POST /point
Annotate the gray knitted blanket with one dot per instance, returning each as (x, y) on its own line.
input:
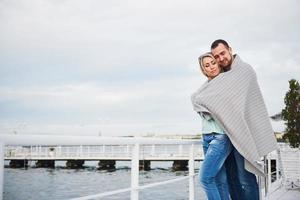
(234, 100)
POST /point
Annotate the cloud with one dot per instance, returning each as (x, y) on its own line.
(135, 109)
(133, 63)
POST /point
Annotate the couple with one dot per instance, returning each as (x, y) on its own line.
(236, 129)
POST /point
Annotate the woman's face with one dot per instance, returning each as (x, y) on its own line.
(210, 67)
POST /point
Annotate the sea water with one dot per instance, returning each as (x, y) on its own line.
(61, 183)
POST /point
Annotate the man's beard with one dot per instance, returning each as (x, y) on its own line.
(228, 66)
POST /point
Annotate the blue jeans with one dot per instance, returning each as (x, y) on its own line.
(212, 173)
(242, 184)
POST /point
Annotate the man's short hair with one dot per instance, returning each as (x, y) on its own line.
(217, 42)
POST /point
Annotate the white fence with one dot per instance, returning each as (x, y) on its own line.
(102, 152)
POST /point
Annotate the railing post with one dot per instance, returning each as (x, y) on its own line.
(80, 150)
(68, 151)
(103, 149)
(46, 152)
(88, 151)
(166, 150)
(40, 151)
(135, 172)
(180, 150)
(153, 150)
(269, 170)
(59, 151)
(1, 168)
(127, 150)
(266, 178)
(191, 174)
(277, 168)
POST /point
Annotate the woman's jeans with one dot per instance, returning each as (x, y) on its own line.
(243, 184)
(213, 172)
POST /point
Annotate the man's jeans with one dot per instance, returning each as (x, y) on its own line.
(212, 172)
(242, 184)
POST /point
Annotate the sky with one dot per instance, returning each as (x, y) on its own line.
(129, 67)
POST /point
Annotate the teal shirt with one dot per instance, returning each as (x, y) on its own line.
(209, 125)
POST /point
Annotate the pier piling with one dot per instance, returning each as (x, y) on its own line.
(75, 164)
(18, 163)
(45, 164)
(107, 164)
(180, 165)
(145, 165)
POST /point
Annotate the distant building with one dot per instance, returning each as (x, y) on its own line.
(279, 135)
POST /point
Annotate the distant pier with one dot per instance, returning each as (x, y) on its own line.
(106, 155)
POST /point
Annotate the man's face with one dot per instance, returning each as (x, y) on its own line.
(223, 55)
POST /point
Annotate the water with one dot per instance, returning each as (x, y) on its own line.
(61, 183)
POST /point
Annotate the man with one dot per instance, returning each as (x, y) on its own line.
(222, 53)
(242, 183)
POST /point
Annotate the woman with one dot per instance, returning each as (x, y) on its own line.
(216, 144)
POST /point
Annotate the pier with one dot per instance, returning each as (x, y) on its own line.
(106, 155)
(136, 154)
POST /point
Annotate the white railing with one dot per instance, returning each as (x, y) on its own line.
(271, 184)
(101, 152)
(47, 140)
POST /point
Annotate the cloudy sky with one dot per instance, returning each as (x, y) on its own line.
(117, 67)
